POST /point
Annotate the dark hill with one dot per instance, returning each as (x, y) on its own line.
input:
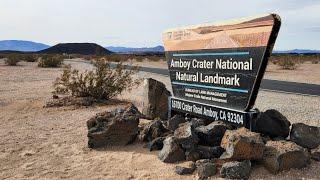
(77, 48)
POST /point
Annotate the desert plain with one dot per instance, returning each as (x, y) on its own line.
(51, 143)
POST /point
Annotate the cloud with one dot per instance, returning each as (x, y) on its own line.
(313, 29)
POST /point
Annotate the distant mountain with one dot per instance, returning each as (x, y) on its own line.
(77, 48)
(297, 51)
(120, 49)
(19, 45)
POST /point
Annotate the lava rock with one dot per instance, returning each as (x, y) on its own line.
(155, 99)
(273, 124)
(315, 154)
(173, 122)
(196, 122)
(207, 152)
(171, 151)
(205, 169)
(236, 170)
(241, 144)
(185, 170)
(305, 136)
(152, 131)
(118, 127)
(284, 155)
(192, 155)
(211, 134)
(186, 136)
(156, 144)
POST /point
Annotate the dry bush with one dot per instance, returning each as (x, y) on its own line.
(50, 61)
(102, 83)
(29, 57)
(12, 59)
(287, 63)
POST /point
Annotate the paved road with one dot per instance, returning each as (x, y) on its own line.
(267, 84)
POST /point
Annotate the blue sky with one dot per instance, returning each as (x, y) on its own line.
(140, 23)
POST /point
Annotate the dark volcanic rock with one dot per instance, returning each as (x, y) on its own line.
(185, 170)
(173, 122)
(284, 155)
(171, 151)
(207, 152)
(118, 127)
(305, 136)
(211, 134)
(236, 170)
(315, 154)
(196, 122)
(155, 99)
(241, 144)
(205, 169)
(186, 136)
(156, 144)
(192, 155)
(273, 124)
(152, 131)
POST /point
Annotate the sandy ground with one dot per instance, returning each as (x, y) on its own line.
(39, 143)
(305, 73)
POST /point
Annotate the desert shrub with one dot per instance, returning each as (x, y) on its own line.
(287, 63)
(29, 58)
(12, 59)
(50, 61)
(315, 62)
(102, 83)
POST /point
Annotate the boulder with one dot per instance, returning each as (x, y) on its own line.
(192, 155)
(152, 131)
(196, 122)
(273, 124)
(207, 152)
(156, 144)
(171, 151)
(155, 99)
(186, 136)
(305, 136)
(118, 127)
(315, 154)
(211, 134)
(173, 122)
(236, 170)
(241, 144)
(181, 170)
(205, 169)
(284, 155)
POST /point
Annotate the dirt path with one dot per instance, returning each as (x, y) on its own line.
(39, 143)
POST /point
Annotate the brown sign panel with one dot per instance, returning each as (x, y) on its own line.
(221, 64)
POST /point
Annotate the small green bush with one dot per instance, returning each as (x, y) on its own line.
(50, 61)
(287, 63)
(102, 83)
(12, 59)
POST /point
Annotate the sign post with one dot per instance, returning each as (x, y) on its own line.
(216, 69)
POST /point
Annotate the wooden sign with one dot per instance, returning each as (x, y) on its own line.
(220, 64)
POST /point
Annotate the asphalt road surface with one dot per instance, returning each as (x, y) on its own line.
(266, 84)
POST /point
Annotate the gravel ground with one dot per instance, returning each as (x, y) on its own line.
(39, 143)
